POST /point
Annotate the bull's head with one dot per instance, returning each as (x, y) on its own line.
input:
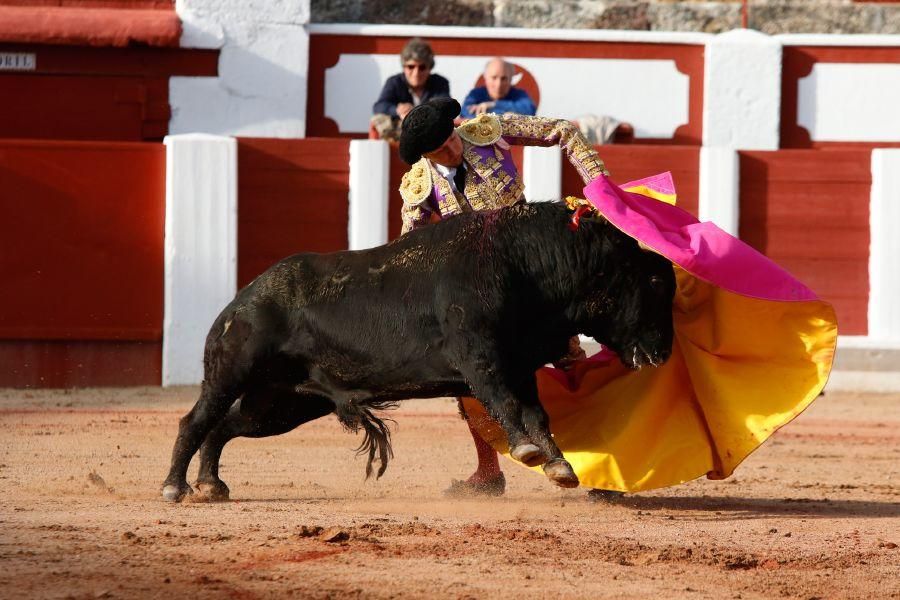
(628, 307)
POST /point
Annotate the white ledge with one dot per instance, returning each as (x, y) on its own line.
(838, 39)
(587, 35)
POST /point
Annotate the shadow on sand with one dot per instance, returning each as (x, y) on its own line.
(752, 508)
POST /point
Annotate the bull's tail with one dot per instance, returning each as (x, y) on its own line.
(377, 439)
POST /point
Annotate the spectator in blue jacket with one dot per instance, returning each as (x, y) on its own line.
(403, 91)
(497, 95)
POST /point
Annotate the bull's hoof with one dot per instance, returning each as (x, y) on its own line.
(176, 493)
(560, 472)
(528, 454)
(215, 491)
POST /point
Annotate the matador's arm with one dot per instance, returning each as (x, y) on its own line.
(521, 130)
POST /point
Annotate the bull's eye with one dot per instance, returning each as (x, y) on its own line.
(657, 283)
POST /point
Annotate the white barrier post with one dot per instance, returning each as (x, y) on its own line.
(200, 247)
(369, 182)
(542, 173)
(741, 111)
(742, 91)
(884, 275)
(720, 188)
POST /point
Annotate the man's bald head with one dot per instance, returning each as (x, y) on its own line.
(498, 77)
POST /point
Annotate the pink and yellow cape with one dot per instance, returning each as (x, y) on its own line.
(753, 348)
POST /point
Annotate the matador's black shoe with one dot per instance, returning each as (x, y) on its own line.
(465, 489)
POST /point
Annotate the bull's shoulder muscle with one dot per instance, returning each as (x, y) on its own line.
(416, 184)
(483, 130)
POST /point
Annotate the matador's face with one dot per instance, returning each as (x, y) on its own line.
(448, 154)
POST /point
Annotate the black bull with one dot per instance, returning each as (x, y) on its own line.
(473, 305)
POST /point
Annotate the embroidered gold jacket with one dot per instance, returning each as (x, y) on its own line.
(492, 180)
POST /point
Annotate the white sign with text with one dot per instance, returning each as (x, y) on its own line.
(18, 61)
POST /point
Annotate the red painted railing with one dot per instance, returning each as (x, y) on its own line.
(82, 263)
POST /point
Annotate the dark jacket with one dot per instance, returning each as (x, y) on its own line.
(396, 90)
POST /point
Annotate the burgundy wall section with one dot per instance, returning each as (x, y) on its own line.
(809, 211)
(79, 93)
(82, 265)
(293, 196)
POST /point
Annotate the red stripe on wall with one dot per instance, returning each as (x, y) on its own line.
(808, 210)
(293, 196)
(49, 364)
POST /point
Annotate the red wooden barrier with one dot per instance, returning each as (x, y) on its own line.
(809, 211)
(293, 196)
(630, 162)
(82, 263)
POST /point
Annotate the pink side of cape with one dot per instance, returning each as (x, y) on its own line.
(701, 249)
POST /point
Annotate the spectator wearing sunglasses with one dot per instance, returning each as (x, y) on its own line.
(403, 91)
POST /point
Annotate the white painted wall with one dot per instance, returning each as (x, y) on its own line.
(516, 33)
(840, 102)
(200, 248)
(652, 95)
(719, 200)
(542, 173)
(263, 63)
(742, 91)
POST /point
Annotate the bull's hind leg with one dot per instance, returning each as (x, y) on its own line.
(257, 414)
(192, 429)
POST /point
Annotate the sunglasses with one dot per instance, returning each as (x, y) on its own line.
(417, 67)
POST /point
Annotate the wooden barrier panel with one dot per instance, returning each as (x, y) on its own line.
(82, 263)
(631, 162)
(293, 196)
(809, 211)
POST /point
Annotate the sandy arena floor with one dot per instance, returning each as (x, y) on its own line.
(815, 513)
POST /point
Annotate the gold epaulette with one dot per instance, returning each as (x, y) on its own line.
(416, 183)
(480, 131)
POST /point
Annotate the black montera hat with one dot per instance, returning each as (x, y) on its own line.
(427, 127)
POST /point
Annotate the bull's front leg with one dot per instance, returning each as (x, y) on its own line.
(513, 403)
(508, 395)
(501, 403)
(537, 425)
